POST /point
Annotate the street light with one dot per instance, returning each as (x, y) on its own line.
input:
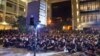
(35, 26)
(36, 36)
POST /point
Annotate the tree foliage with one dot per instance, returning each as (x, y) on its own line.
(21, 23)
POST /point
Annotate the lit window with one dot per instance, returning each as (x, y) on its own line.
(77, 13)
(85, 8)
(78, 20)
(82, 19)
(76, 1)
(77, 6)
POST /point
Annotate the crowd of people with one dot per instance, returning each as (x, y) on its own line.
(71, 41)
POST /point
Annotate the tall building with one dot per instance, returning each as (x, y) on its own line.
(38, 10)
(42, 11)
(9, 9)
(85, 12)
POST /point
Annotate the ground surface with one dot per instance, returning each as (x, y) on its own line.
(23, 52)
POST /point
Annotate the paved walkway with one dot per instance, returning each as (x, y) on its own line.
(23, 52)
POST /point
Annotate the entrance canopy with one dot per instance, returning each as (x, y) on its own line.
(92, 24)
(5, 26)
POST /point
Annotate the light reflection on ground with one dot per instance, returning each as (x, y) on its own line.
(22, 52)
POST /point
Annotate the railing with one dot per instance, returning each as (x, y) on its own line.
(1, 7)
(22, 3)
(15, 1)
(10, 10)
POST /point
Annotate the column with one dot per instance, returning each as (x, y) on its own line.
(4, 12)
(25, 9)
(17, 11)
(78, 16)
(75, 14)
(49, 11)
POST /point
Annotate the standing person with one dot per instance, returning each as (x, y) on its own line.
(6, 42)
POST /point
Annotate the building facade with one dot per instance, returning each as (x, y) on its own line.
(85, 11)
(9, 9)
(37, 9)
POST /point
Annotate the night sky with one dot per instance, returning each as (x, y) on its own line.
(63, 10)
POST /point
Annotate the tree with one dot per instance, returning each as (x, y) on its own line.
(21, 23)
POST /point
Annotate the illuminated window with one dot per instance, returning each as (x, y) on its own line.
(89, 6)
(85, 8)
(78, 20)
(93, 6)
(77, 5)
(43, 12)
(82, 19)
(76, 1)
(77, 13)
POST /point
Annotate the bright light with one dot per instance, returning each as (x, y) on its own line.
(78, 20)
(49, 21)
(48, 54)
(28, 54)
(77, 5)
(43, 20)
(67, 27)
(77, 13)
(24, 1)
(4, 23)
(38, 26)
(24, 10)
(64, 27)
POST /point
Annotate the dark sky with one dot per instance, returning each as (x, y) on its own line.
(62, 9)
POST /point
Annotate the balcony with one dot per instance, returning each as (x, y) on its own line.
(22, 3)
(21, 13)
(90, 11)
(86, 1)
(10, 10)
(15, 1)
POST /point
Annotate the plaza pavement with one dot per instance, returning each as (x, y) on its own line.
(23, 52)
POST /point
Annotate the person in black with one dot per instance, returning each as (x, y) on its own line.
(70, 47)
